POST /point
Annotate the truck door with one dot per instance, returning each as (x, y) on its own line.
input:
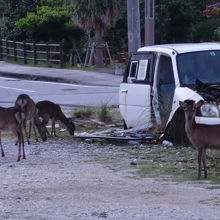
(135, 91)
(163, 89)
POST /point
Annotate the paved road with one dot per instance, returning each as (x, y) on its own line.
(61, 93)
(59, 75)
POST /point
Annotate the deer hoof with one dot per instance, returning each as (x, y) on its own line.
(18, 158)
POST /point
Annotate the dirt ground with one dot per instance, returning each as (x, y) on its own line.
(66, 179)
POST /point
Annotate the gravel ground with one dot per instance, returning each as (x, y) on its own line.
(67, 179)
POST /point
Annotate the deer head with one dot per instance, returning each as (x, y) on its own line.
(190, 107)
(71, 126)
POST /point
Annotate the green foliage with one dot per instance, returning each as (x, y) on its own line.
(16, 9)
(204, 30)
(96, 14)
(104, 114)
(116, 36)
(49, 24)
(217, 34)
(174, 21)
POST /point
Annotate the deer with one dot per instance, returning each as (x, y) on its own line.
(28, 107)
(48, 110)
(11, 120)
(201, 136)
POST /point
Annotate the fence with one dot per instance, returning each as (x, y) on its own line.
(32, 52)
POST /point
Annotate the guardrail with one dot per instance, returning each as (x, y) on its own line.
(32, 52)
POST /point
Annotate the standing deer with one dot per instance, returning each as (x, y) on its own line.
(11, 120)
(201, 136)
(28, 107)
(49, 110)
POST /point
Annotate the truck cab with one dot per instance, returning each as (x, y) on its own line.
(158, 77)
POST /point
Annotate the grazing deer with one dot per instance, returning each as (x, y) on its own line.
(28, 107)
(201, 136)
(49, 110)
(11, 120)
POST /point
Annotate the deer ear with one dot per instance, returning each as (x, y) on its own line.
(182, 104)
(199, 103)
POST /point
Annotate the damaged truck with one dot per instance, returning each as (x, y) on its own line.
(158, 77)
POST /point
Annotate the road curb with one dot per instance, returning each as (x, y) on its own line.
(36, 77)
(48, 79)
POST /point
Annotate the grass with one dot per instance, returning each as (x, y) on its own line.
(57, 65)
(83, 113)
(104, 114)
(175, 163)
(93, 119)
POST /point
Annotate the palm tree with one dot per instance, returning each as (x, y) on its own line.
(96, 15)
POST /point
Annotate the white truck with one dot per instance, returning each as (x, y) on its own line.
(158, 77)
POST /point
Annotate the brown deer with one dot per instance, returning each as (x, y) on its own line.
(11, 120)
(28, 107)
(49, 110)
(201, 136)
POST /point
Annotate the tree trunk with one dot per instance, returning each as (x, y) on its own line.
(99, 47)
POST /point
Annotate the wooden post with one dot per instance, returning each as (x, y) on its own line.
(15, 50)
(47, 51)
(24, 53)
(87, 56)
(61, 55)
(35, 53)
(78, 56)
(109, 54)
(91, 54)
(7, 50)
(1, 56)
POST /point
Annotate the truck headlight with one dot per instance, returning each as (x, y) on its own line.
(209, 110)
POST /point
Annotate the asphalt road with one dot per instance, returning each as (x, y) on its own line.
(60, 93)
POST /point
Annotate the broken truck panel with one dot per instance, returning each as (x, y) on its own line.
(158, 77)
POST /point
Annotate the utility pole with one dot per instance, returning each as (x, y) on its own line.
(149, 23)
(134, 36)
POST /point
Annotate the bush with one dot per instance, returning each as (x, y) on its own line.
(204, 31)
(104, 114)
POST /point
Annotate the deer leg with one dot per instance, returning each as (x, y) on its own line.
(53, 131)
(34, 128)
(45, 122)
(19, 145)
(199, 162)
(204, 162)
(22, 142)
(30, 126)
(2, 151)
(24, 124)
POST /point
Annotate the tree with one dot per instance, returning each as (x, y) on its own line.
(16, 9)
(96, 15)
(174, 21)
(50, 22)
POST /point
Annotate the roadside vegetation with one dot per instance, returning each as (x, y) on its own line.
(58, 21)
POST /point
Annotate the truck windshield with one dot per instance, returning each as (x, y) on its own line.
(202, 65)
